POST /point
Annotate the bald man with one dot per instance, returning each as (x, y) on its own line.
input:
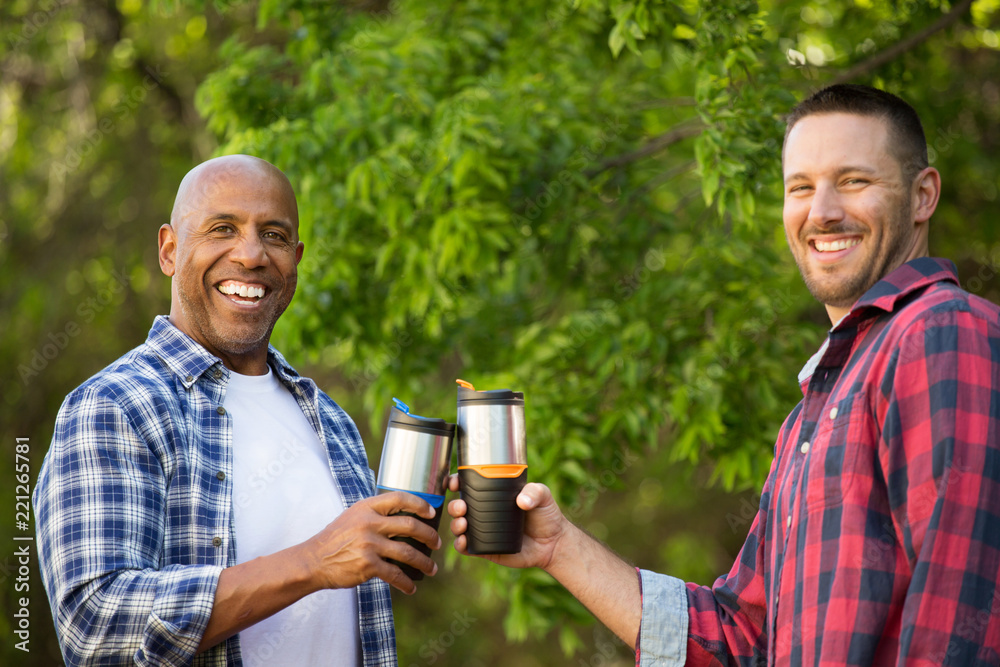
(202, 503)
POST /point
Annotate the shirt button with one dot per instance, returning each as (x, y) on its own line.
(804, 448)
(189, 378)
(787, 523)
(833, 413)
(216, 541)
(217, 374)
(220, 475)
(221, 410)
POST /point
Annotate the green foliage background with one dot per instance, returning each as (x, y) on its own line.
(580, 200)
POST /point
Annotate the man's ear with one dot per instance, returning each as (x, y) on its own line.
(298, 252)
(168, 249)
(927, 189)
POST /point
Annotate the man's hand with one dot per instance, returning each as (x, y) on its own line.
(356, 545)
(352, 549)
(594, 574)
(544, 526)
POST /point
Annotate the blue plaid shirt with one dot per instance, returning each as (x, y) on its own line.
(134, 499)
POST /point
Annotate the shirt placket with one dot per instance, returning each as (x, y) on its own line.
(820, 388)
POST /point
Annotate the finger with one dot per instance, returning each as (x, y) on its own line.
(452, 482)
(533, 495)
(462, 545)
(457, 508)
(404, 553)
(400, 501)
(395, 577)
(408, 526)
(459, 526)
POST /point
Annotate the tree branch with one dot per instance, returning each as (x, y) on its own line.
(142, 68)
(653, 146)
(901, 47)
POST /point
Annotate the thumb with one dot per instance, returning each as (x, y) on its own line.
(534, 495)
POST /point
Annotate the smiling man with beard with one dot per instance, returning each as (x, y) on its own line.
(877, 540)
(202, 503)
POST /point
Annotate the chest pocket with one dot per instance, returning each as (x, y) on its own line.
(841, 450)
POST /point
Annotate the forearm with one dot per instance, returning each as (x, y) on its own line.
(250, 592)
(601, 580)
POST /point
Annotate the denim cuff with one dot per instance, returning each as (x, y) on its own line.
(663, 631)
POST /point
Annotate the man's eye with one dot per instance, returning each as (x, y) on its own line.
(274, 236)
(222, 228)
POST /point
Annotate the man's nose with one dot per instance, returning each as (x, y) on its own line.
(826, 206)
(249, 251)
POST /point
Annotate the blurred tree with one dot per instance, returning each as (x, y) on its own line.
(582, 201)
(579, 199)
(97, 126)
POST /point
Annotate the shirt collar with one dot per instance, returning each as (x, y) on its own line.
(884, 295)
(187, 359)
(899, 284)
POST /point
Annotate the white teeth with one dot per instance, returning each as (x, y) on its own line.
(242, 290)
(831, 246)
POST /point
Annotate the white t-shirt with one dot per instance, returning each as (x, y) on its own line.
(283, 494)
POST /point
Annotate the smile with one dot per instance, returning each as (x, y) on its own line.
(248, 293)
(833, 246)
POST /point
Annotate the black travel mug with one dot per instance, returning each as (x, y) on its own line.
(492, 467)
(416, 457)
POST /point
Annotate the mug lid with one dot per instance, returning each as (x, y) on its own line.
(400, 416)
(497, 396)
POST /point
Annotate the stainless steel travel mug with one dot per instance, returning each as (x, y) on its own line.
(416, 458)
(492, 467)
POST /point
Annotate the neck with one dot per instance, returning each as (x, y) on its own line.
(836, 314)
(254, 363)
(251, 362)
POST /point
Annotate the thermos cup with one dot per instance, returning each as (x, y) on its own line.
(492, 467)
(416, 457)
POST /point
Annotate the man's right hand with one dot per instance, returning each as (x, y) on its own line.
(598, 577)
(544, 526)
(356, 545)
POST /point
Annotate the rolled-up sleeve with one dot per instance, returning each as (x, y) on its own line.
(100, 504)
(663, 631)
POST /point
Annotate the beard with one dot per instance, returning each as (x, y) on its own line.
(251, 332)
(884, 259)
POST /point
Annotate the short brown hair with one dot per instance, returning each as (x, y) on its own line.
(909, 143)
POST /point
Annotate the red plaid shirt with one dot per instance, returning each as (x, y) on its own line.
(877, 541)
